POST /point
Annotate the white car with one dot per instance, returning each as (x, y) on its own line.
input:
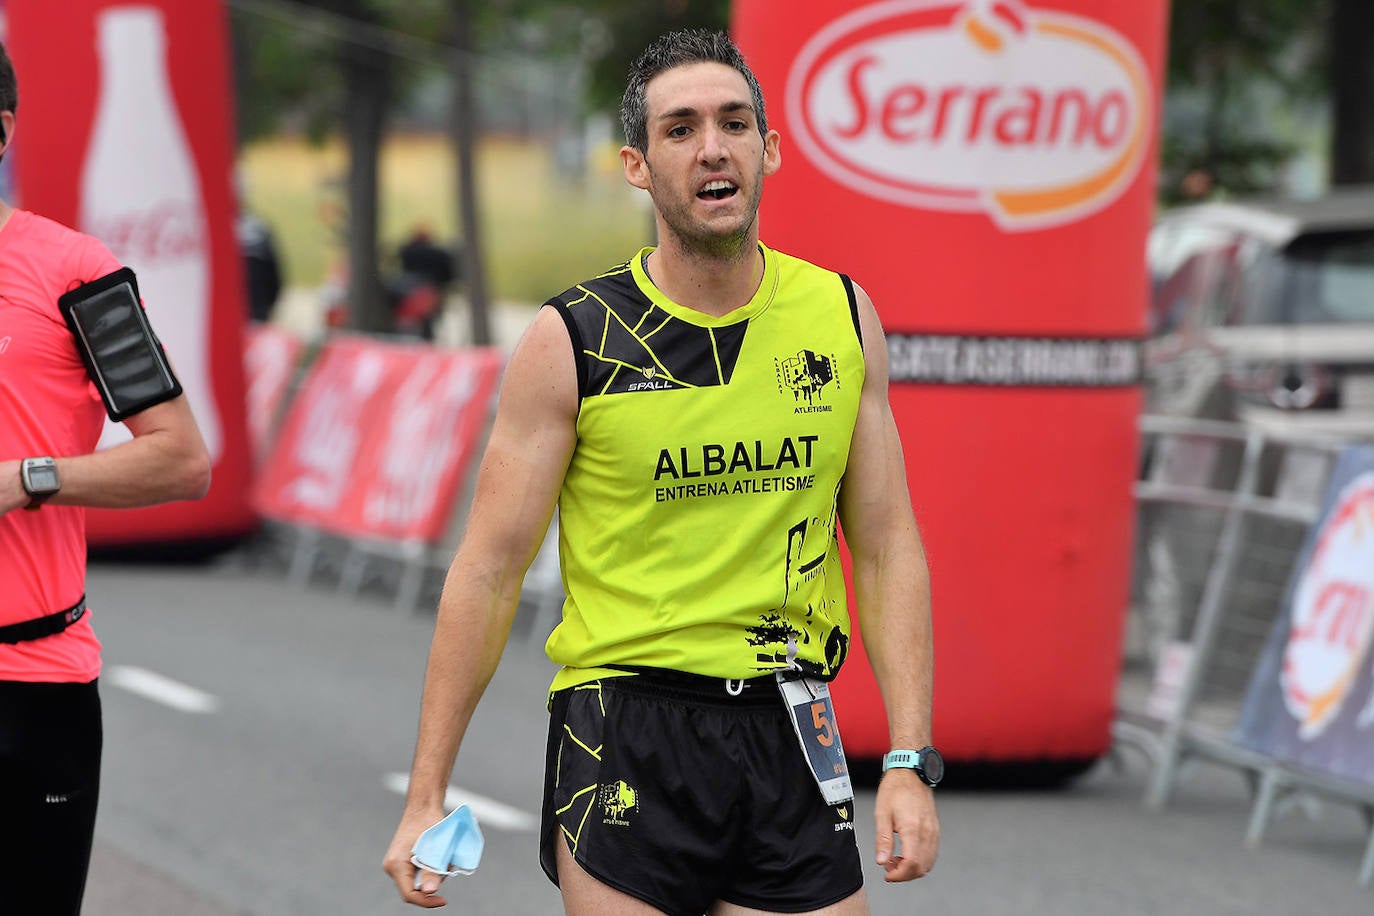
(1263, 312)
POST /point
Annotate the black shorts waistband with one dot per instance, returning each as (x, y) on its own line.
(47, 625)
(754, 691)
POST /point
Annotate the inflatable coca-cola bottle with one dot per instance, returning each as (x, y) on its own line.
(141, 195)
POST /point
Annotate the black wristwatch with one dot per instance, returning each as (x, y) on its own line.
(40, 480)
(927, 763)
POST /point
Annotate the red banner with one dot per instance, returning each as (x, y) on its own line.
(126, 129)
(985, 171)
(270, 357)
(378, 439)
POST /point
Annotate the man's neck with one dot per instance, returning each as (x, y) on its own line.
(711, 284)
(5, 211)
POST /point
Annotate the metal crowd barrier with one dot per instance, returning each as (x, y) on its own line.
(1223, 510)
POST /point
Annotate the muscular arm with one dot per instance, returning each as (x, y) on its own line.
(522, 471)
(166, 460)
(892, 592)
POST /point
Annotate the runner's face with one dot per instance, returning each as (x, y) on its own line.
(706, 160)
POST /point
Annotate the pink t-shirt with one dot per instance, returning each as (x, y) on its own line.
(48, 406)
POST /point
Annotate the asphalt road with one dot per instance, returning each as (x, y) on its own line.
(255, 732)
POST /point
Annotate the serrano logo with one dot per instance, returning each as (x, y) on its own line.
(1034, 117)
(1333, 613)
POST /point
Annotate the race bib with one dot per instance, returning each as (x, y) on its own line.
(813, 719)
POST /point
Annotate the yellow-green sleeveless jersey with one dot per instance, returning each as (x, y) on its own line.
(697, 527)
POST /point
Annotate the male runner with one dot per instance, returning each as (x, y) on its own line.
(701, 416)
(50, 420)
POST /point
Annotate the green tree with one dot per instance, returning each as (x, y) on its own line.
(1218, 51)
(337, 66)
(1305, 52)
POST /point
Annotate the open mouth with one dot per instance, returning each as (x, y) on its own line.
(718, 190)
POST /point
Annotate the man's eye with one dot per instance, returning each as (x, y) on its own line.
(678, 132)
(736, 125)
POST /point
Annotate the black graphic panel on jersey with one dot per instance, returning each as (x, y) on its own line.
(779, 641)
(630, 344)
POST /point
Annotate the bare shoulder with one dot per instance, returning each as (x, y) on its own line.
(542, 367)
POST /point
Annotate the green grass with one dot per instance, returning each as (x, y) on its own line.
(542, 233)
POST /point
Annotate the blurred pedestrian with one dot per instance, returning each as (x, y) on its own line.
(50, 420)
(418, 291)
(702, 416)
(261, 266)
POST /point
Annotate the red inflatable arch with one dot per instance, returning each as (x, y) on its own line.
(985, 171)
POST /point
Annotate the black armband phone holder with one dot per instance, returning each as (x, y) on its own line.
(122, 354)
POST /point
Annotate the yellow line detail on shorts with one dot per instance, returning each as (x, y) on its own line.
(600, 694)
(576, 837)
(582, 823)
(595, 753)
(572, 801)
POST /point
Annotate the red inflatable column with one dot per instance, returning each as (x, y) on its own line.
(127, 133)
(985, 171)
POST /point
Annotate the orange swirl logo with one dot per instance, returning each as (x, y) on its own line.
(1332, 613)
(1036, 118)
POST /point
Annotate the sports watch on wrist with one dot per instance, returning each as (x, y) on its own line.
(40, 480)
(927, 763)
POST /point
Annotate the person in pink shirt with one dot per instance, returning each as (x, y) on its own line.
(51, 416)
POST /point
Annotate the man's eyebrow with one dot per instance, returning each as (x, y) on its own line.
(687, 111)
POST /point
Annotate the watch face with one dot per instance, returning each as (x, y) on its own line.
(42, 478)
(933, 765)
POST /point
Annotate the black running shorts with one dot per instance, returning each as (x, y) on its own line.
(666, 787)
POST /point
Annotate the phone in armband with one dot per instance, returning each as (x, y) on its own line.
(122, 354)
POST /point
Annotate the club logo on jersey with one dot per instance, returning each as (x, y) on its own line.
(806, 375)
(618, 800)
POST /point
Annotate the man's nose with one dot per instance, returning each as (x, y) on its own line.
(713, 146)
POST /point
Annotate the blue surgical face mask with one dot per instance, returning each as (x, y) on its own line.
(451, 847)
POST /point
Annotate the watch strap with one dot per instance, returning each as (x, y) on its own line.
(910, 760)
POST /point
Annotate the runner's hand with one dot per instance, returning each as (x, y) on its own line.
(397, 861)
(906, 807)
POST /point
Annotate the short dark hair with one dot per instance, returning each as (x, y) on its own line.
(675, 49)
(9, 89)
(9, 86)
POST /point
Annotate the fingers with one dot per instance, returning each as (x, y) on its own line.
(907, 828)
(915, 860)
(404, 874)
(885, 846)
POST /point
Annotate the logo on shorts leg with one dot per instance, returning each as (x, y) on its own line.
(845, 823)
(618, 800)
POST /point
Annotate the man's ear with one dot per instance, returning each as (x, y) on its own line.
(6, 130)
(772, 152)
(636, 167)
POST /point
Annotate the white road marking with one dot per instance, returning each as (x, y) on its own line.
(489, 812)
(160, 689)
